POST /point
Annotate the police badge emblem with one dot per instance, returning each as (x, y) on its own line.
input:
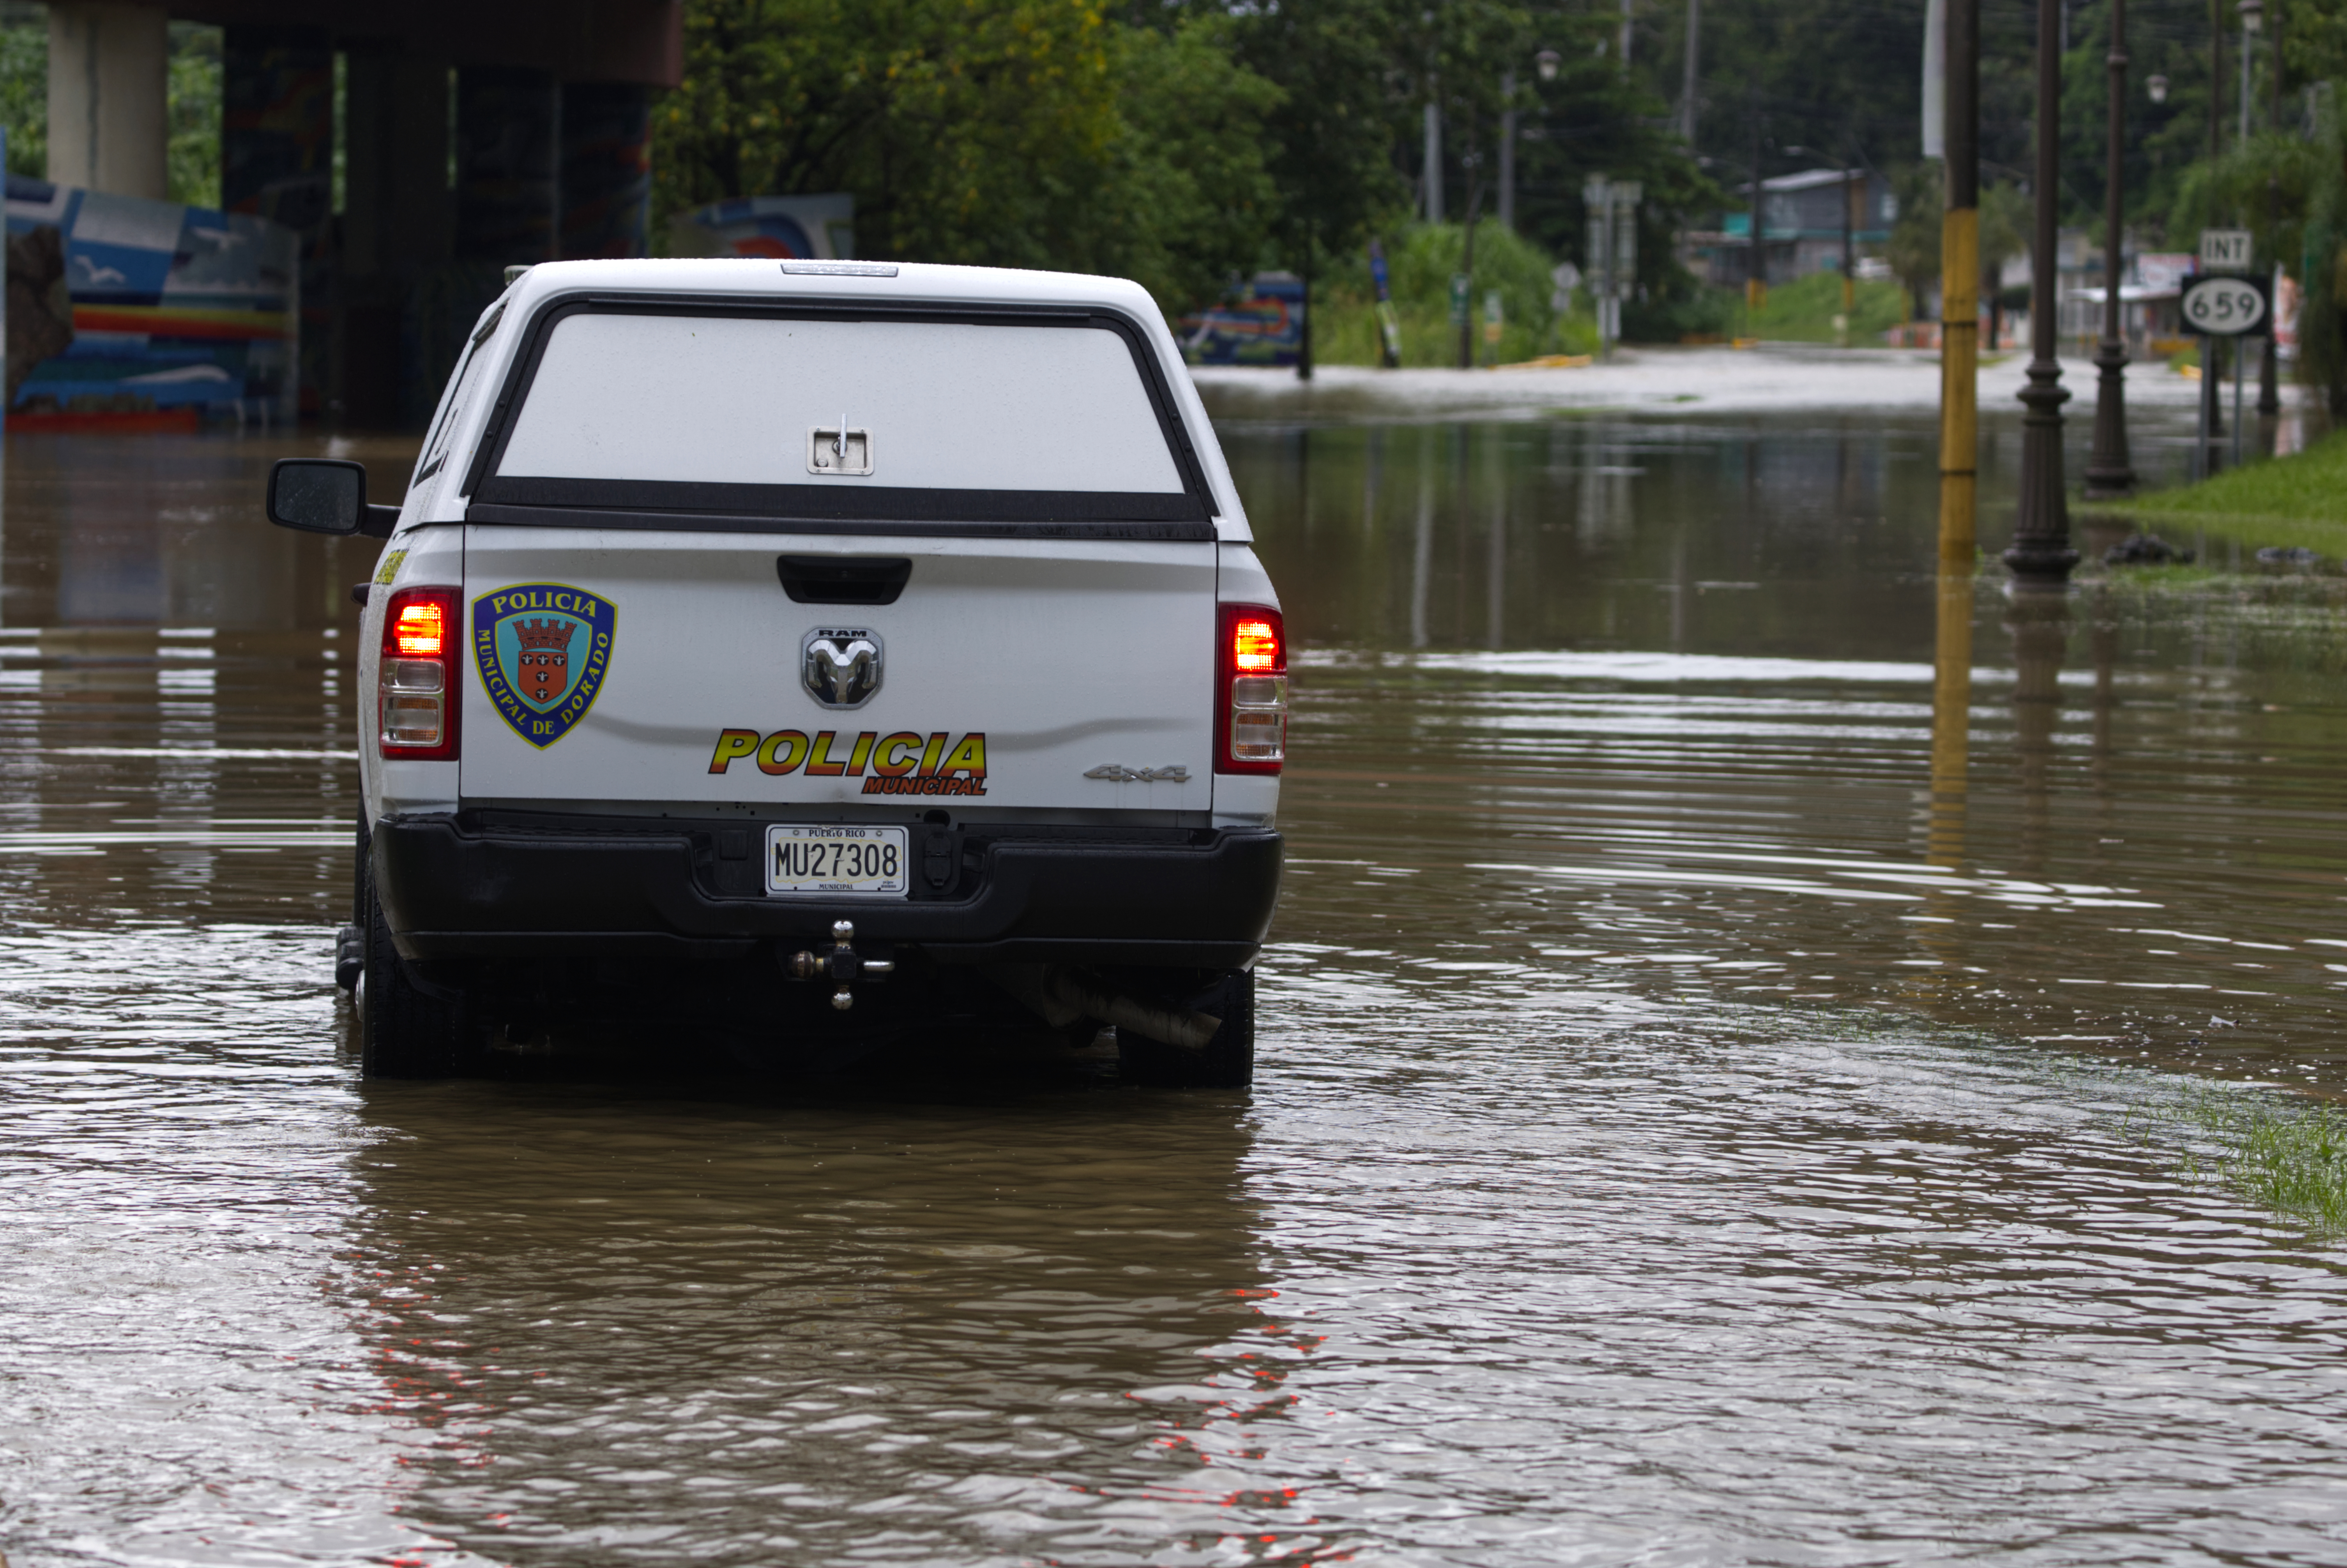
(542, 650)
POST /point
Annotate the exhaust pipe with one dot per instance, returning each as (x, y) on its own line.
(1059, 996)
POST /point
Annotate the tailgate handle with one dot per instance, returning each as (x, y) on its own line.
(843, 580)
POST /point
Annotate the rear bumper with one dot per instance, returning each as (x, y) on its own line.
(512, 884)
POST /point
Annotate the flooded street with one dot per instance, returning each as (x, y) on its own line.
(1714, 1043)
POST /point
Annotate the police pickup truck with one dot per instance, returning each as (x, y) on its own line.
(806, 655)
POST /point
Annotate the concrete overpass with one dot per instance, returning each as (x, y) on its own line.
(548, 103)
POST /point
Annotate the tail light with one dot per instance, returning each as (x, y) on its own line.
(416, 686)
(1251, 690)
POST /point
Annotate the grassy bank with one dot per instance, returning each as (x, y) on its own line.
(1803, 311)
(1421, 261)
(2287, 1154)
(2301, 499)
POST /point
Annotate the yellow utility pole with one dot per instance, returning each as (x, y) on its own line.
(1960, 289)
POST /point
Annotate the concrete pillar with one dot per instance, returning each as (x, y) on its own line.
(397, 225)
(607, 169)
(395, 202)
(277, 157)
(277, 127)
(109, 94)
(508, 135)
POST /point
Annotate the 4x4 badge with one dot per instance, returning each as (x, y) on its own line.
(542, 650)
(840, 665)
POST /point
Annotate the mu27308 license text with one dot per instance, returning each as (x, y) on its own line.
(836, 859)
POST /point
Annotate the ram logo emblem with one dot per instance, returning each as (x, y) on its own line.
(841, 665)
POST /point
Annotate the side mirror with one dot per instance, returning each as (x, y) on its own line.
(325, 496)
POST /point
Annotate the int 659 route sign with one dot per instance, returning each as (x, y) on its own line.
(2226, 307)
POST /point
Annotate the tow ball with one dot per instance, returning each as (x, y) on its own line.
(840, 966)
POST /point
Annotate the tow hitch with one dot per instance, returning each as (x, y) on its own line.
(841, 964)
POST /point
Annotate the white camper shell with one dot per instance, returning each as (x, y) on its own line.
(852, 645)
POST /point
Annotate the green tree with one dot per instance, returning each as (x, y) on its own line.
(2322, 315)
(1185, 197)
(192, 153)
(25, 96)
(1913, 252)
(1022, 133)
(966, 130)
(2005, 219)
(1464, 52)
(2161, 142)
(1594, 118)
(1332, 131)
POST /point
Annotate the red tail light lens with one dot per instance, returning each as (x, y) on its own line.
(419, 628)
(415, 683)
(1254, 644)
(1251, 690)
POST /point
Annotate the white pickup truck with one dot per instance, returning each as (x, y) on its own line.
(807, 654)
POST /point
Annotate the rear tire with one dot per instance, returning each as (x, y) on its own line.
(1228, 1059)
(407, 1031)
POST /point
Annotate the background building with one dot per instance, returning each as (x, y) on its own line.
(1801, 218)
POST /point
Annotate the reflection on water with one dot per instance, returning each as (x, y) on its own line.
(831, 1332)
(142, 531)
(1733, 707)
(1720, 956)
(1951, 717)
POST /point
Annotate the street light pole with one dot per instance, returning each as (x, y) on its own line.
(1467, 265)
(1508, 150)
(2040, 555)
(1691, 70)
(1755, 283)
(2212, 349)
(2269, 370)
(1849, 262)
(2253, 14)
(2109, 474)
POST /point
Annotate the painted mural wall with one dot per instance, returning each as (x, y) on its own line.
(791, 228)
(171, 314)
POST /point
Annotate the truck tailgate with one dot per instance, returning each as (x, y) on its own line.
(622, 666)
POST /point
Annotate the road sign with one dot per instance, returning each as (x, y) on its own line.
(1567, 278)
(2227, 307)
(2224, 249)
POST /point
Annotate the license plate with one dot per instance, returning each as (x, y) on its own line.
(836, 859)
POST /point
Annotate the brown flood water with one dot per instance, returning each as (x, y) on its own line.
(1699, 1118)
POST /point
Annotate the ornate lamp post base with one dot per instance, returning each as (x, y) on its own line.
(2040, 555)
(2109, 474)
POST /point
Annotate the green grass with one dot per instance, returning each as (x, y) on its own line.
(2301, 499)
(1803, 311)
(2289, 1156)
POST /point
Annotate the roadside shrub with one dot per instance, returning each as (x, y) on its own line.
(1420, 260)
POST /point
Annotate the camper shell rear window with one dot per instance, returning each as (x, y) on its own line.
(799, 417)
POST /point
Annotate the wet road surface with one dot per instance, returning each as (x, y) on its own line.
(1700, 1116)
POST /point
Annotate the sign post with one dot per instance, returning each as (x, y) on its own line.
(1388, 323)
(1611, 251)
(2226, 301)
